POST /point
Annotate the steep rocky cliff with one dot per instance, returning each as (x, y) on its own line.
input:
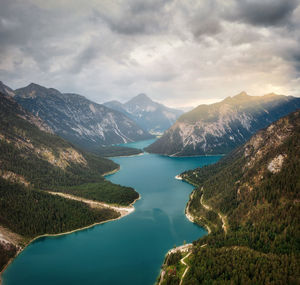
(150, 115)
(77, 119)
(220, 127)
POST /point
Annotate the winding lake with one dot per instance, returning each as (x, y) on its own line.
(127, 251)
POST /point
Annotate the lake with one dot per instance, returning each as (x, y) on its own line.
(126, 251)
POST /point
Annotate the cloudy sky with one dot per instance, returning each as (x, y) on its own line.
(179, 52)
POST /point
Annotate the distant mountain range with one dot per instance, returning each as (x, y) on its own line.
(151, 116)
(219, 128)
(75, 118)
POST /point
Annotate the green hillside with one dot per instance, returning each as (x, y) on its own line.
(34, 161)
(250, 202)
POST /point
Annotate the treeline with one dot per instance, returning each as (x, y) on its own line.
(7, 251)
(20, 149)
(111, 151)
(237, 265)
(262, 243)
(104, 191)
(173, 269)
(31, 213)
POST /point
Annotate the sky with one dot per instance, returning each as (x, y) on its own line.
(179, 52)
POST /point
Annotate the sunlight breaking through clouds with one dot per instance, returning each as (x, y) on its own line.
(180, 53)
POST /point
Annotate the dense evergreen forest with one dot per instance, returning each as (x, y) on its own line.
(104, 192)
(33, 161)
(111, 151)
(48, 162)
(260, 204)
(31, 212)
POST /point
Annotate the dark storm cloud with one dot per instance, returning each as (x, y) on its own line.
(174, 47)
(263, 12)
(135, 17)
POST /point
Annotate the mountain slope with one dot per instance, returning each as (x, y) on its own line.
(250, 201)
(220, 127)
(34, 162)
(78, 119)
(150, 115)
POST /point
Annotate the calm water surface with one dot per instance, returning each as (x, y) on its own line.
(127, 251)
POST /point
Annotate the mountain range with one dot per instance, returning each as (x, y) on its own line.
(151, 116)
(35, 163)
(249, 202)
(75, 118)
(219, 128)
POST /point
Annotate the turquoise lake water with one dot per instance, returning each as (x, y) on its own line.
(127, 251)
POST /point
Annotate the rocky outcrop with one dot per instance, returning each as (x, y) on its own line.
(150, 115)
(220, 127)
(75, 118)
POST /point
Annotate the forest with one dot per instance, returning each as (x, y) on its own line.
(34, 161)
(115, 150)
(31, 212)
(262, 244)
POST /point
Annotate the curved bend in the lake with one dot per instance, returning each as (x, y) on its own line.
(127, 251)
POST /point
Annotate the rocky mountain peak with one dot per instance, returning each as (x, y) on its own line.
(150, 115)
(34, 90)
(220, 127)
(141, 100)
(77, 119)
(6, 90)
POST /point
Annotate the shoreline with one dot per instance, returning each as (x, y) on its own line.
(188, 215)
(185, 156)
(178, 177)
(123, 211)
(111, 172)
(181, 248)
(191, 218)
(67, 233)
(131, 155)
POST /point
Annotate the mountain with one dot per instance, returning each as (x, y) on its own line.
(219, 128)
(34, 162)
(150, 115)
(249, 201)
(77, 119)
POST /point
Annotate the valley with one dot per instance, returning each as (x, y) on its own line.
(131, 244)
(150, 142)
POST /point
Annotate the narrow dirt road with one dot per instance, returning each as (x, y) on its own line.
(187, 267)
(221, 216)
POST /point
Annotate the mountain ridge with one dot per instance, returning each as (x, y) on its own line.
(220, 127)
(75, 118)
(249, 201)
(33, 163)
(150, 115)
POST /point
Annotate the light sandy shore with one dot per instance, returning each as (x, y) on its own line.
(131, 155)
(178, 177)
(111, 172)
(123, 211)
(100, 205)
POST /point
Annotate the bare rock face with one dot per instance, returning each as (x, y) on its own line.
(276, 163)
(77, 119)
(150, 115)
(10, 95)
(221, 127)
